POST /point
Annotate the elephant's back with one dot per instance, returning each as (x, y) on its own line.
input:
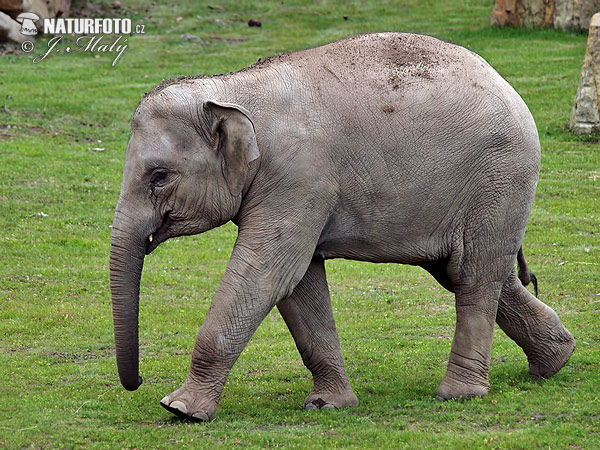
(388, 61)
(378, 62)
(423, 88)
(386, 73)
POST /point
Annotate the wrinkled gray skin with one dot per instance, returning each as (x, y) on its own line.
(383, 148)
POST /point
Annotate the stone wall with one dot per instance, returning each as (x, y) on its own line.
(563, 14)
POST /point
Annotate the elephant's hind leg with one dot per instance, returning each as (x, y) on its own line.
(309, 317)
(469, 361)
(476, 271)
(535, 327)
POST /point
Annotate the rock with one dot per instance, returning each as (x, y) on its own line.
(519, 13)
(562, 14)
(59, 8)
(588, 10)
(39, 8)
(585, 114)
(43, 8)
(574, 14)
(516, 13)
(11, 7)
(10, 29)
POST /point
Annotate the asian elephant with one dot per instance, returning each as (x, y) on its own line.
(384, 147)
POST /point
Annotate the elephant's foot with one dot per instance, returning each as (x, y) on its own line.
(450, 390)
(462, 383)
(190, 405)
(321, 399)
(535, 327)
(555, 349)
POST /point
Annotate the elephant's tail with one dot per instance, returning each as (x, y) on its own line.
(525, 275)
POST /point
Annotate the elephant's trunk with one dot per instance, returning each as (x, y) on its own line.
(127, 250)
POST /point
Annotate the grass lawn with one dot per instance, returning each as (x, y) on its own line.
(58, 379)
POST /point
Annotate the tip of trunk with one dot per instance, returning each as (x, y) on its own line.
(132, 385)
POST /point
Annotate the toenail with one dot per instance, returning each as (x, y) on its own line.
(202, 417)
(180, 406)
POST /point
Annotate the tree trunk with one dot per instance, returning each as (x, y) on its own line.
(585, 115)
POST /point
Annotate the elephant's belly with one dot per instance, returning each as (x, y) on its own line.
(388, 247)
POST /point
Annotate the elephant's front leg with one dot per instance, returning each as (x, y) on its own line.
(307, 313)
(249, 289)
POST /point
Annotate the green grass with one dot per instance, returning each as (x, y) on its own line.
(57, 368)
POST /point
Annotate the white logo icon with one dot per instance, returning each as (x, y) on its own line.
(27, 21)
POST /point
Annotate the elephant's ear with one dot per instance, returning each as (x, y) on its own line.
(237, 141)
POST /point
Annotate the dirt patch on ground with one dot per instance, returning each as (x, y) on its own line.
(7, 132)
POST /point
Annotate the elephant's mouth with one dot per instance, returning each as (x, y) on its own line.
(159, 235)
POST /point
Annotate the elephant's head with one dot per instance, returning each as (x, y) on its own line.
(186, 166)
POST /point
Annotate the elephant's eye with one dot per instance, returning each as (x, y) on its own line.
(158, 176)
(157, 181)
